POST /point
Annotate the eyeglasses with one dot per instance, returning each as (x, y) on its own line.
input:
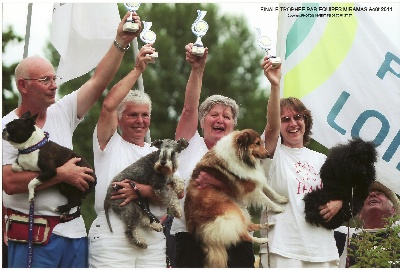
(46, 80)
(296, 117)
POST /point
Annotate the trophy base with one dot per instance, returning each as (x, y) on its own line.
(276, 62)
(154, 57)
(198, 51)
(130, 27)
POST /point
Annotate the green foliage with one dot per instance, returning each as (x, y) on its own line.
(8, 94)
(378, 250)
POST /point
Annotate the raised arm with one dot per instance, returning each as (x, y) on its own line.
(272, 129)
(188, 121)
(108, 120)
(106, 69)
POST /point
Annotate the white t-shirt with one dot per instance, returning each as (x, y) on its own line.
(294, 172)
(61, 121)
(188, 160)
(118, 155)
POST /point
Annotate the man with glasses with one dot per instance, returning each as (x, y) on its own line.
(37, 83)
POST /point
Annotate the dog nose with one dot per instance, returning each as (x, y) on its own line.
(163, 162)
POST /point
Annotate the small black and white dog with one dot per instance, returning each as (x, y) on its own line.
(157, 170)
(37, 153)
(346, 175)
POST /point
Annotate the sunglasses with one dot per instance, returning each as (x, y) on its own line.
(296, 117)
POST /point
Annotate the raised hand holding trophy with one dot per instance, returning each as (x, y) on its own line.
(149, 37)
(265, 43)
(199, 28)
(130, 25)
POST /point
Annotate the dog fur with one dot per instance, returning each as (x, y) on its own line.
(157, 170)
(218, 219)
(23, 133)
(346, 175)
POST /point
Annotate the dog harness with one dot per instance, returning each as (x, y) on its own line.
(143, 203)
(37, 146)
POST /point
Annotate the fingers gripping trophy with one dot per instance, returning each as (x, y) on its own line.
(265, 43)
(199, 28)
(149, 37)
(131, 25)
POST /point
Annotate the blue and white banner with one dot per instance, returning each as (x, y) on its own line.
(347, 72)
(82, 33)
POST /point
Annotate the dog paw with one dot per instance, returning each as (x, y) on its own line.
(15, 167)
(267, 225)
(260, 240)
(31, 196)
(140, 244)
(282, 199)
(155, 226)
(177, 213)
(277, 209)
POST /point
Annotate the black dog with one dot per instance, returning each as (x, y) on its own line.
(346, 175)
(37, 153)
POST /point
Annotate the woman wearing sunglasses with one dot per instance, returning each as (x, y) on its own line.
(293, 173)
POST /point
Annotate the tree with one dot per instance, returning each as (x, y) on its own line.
(9, 96)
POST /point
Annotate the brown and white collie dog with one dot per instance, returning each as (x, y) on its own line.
(217, 217)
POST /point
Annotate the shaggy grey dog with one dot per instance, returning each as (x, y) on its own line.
(157, 170)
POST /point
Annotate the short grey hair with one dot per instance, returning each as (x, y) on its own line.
(136, 97)
(209, 102)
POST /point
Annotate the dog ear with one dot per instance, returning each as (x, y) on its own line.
(26, 115)
(34, 117)
(157, 143)
(243, 139)
(183, 143)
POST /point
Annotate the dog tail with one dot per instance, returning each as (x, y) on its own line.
(106, 208)
(216, 256)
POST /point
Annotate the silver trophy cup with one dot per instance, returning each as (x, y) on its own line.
(265, 43)
(199, 28)
(149, 37)
(130, 25)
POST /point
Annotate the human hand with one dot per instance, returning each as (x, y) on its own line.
(75, 175)
(273, 74)
(205, 180)
(124, 37)
(125, 191)
(195, 61)
(329, 210)
(143, 57)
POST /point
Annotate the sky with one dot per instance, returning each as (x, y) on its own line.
(15, 15)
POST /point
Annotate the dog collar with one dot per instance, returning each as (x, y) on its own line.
(35, 147)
